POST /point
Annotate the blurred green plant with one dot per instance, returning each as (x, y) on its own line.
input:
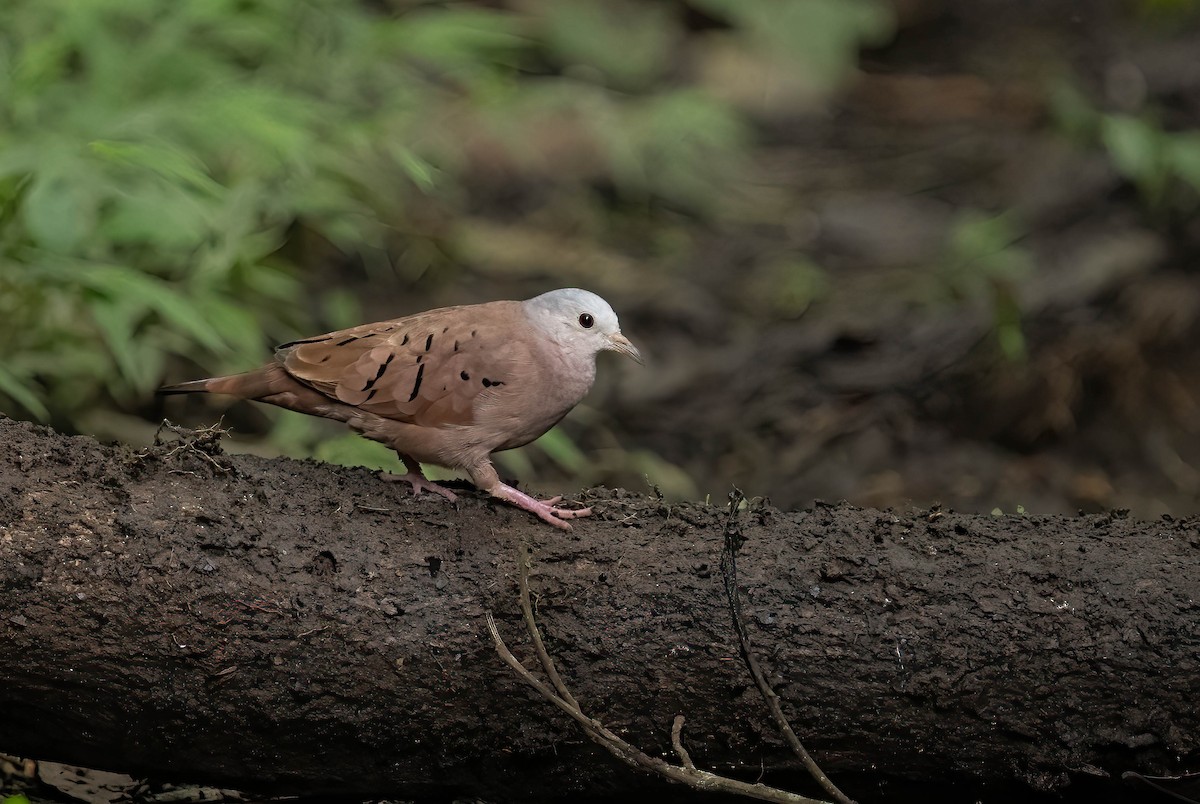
(153, 157)
(984, 262)
(787, 285)
(1153, 158)
(157, 159)
(821, 37)
(1163, 165)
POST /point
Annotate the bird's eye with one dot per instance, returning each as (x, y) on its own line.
(586, 321)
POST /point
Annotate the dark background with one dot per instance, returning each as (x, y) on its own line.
(911, 251)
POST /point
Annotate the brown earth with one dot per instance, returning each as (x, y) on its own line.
(294, 627)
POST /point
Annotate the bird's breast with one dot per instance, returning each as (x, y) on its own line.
(520, 412)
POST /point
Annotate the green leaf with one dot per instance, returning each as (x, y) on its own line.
(416, 168)
(821, 36)
(156, 214)
(674, 482)
(629, 42)
(463, 38)
(22, 158)
(515, 462)
(1184, 157)
(134, 288)
(272, 284)
(274, 130)
(1136, 148)
(293, 433)
(342, 309)
(1073, 112)
(682, 144)
(354, 450)
(240, 330)
(116, 321)
(167, 161)
(59, 211)
(22, 394)
(562, 450)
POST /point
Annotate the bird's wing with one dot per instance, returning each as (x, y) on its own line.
(430, 369)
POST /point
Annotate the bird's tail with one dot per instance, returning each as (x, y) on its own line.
(255, 384)
(192, 387)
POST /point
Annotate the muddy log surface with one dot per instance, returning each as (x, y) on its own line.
(294, 626)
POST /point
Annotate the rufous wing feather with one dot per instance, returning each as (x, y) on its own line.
(428, 369)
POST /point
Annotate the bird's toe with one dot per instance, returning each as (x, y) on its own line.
(545, 510)
(419, 483)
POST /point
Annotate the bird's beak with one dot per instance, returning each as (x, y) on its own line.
(619, 343)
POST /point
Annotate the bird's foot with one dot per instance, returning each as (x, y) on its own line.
(420, 483)
(546, 510)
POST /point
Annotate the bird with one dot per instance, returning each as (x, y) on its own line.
(448, 386)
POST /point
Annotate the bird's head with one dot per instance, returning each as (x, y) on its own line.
(579, 320)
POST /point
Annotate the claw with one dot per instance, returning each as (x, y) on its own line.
(546, 510)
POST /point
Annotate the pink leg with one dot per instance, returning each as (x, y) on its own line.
(546, 510)
(416, 478)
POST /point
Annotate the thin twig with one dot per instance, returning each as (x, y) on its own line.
(693, 777)
(733, 539)
(539, 646)
(204, 442)
(536, 635)
(677, 743)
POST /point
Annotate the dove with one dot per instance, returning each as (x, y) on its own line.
(448, 386)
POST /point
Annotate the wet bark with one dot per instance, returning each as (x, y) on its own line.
(292, 626)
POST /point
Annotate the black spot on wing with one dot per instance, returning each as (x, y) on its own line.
(489, 383)
(290, 344)
(353, 338)
(429, 342)
(382, 368)
(405, 341)
(464, 375)
(416, 385)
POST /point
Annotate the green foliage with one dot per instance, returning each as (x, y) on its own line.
(1151, 157)
(822, 37)
(627, 44)
(19, 798)
(1163, 165)
(984, 262)
(983, 249)
(156, 159)
(153, 156)
(787, 285)
(349, 449)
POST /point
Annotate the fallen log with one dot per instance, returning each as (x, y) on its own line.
(297, 627)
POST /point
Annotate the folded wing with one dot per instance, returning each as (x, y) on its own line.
(429, 369)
